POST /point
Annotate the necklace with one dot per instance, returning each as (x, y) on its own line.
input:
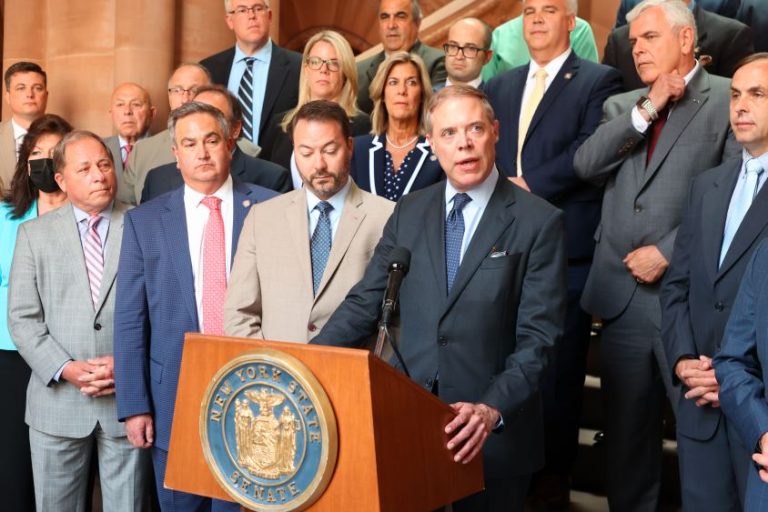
(395, 146)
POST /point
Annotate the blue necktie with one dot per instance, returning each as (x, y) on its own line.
(740, 203)
(321, 244)
(454, 234)
(245, 95)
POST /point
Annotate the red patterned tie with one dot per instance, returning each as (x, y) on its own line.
(94, 258)
(128, 149)
(214, 268)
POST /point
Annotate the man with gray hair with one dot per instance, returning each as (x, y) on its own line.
(399, 22)
(263, 76)
(61, 306)
(652, 142)
(172, 278)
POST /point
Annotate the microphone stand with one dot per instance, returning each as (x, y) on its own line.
(384, 336)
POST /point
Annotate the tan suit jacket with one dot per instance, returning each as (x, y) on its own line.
(270, 286)
(7, 155)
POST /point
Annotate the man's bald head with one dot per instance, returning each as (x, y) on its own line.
(132, 111)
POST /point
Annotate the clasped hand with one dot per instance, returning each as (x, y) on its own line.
(469, 429)
(93, 377)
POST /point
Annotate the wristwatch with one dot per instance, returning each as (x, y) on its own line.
(645, 103)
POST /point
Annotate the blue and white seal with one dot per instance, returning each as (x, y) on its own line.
(268, 432)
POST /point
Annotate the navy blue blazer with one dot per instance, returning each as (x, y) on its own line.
(368, 165)
(568, 114)
(697, 292)
(741, 368)
(244, 168)
(489, 337)
(155, 303)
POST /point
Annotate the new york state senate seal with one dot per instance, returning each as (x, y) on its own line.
(269, 432)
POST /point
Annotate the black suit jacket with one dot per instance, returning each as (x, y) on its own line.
(244, 168)
(726, 40)
(568, 114)
(282, 91)
(697, 293)
(490, 337)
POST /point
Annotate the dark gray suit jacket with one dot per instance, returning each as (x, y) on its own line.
(698, 293)
(490, 337)
(644, 205)
(433, 58)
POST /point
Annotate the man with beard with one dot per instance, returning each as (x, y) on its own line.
(299, 254)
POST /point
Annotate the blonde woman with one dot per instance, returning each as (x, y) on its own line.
(328, 72)
(395, 158)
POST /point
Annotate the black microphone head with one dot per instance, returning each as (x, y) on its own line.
(400, 258)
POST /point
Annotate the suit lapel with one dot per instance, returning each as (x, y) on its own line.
(351, 218)
(713, 212)
(423, 147)
(174, 223)
(278, 71)
(376, 156)
(298, 227)
(375, 62)
(68, 235)
(569, 68)
(679, 119)
(237, 167)
(435, 234)
(114, 239)
(242, 202)
(751, 226)
(496, 218)
(512, 114)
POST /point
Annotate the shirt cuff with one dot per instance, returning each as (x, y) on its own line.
(638, 121)
(57, 376)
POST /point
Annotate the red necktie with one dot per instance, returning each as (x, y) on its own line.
(214, 268)
(656, 129)
(128, 149)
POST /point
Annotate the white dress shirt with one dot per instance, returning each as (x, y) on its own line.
(197, 216)
(552, 69)
(18, 135)
(337, 201)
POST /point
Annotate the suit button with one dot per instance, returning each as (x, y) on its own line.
(638, 208)
(97, 326)
(312, 327)
(719, 306)
(442, 340)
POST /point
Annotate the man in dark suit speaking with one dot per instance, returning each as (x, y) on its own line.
(483, 303)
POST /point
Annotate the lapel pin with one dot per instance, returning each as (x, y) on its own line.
(568, 75)
(246, 203)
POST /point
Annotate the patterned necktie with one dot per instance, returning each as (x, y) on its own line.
(128, 149)
(320, 244)
(245, 95)
(740, 203)
(94, 258)
(214, 268)
(454, 234)
(527, 114)
(656, 128)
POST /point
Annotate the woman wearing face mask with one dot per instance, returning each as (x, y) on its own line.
(328, 72)
(33, 192)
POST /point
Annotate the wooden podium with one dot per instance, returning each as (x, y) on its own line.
(392, 453)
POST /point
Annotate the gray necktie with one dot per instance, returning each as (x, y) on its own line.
(320, 244)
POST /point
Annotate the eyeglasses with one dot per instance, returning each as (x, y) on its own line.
(317, 63)
(255, 8)
(470, 52)
(192, 91)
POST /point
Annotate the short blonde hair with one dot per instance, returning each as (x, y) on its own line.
(379, 115)
(348, 95)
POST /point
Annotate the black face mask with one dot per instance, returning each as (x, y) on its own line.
(41, 174)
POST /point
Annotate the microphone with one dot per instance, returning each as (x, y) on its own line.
(399, 263)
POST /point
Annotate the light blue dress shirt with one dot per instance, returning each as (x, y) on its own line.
(103, 227)
(337, 201)
(473, 210)
(9, 228)
(260, 71)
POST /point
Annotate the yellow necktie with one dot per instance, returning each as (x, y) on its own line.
(528, 109)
